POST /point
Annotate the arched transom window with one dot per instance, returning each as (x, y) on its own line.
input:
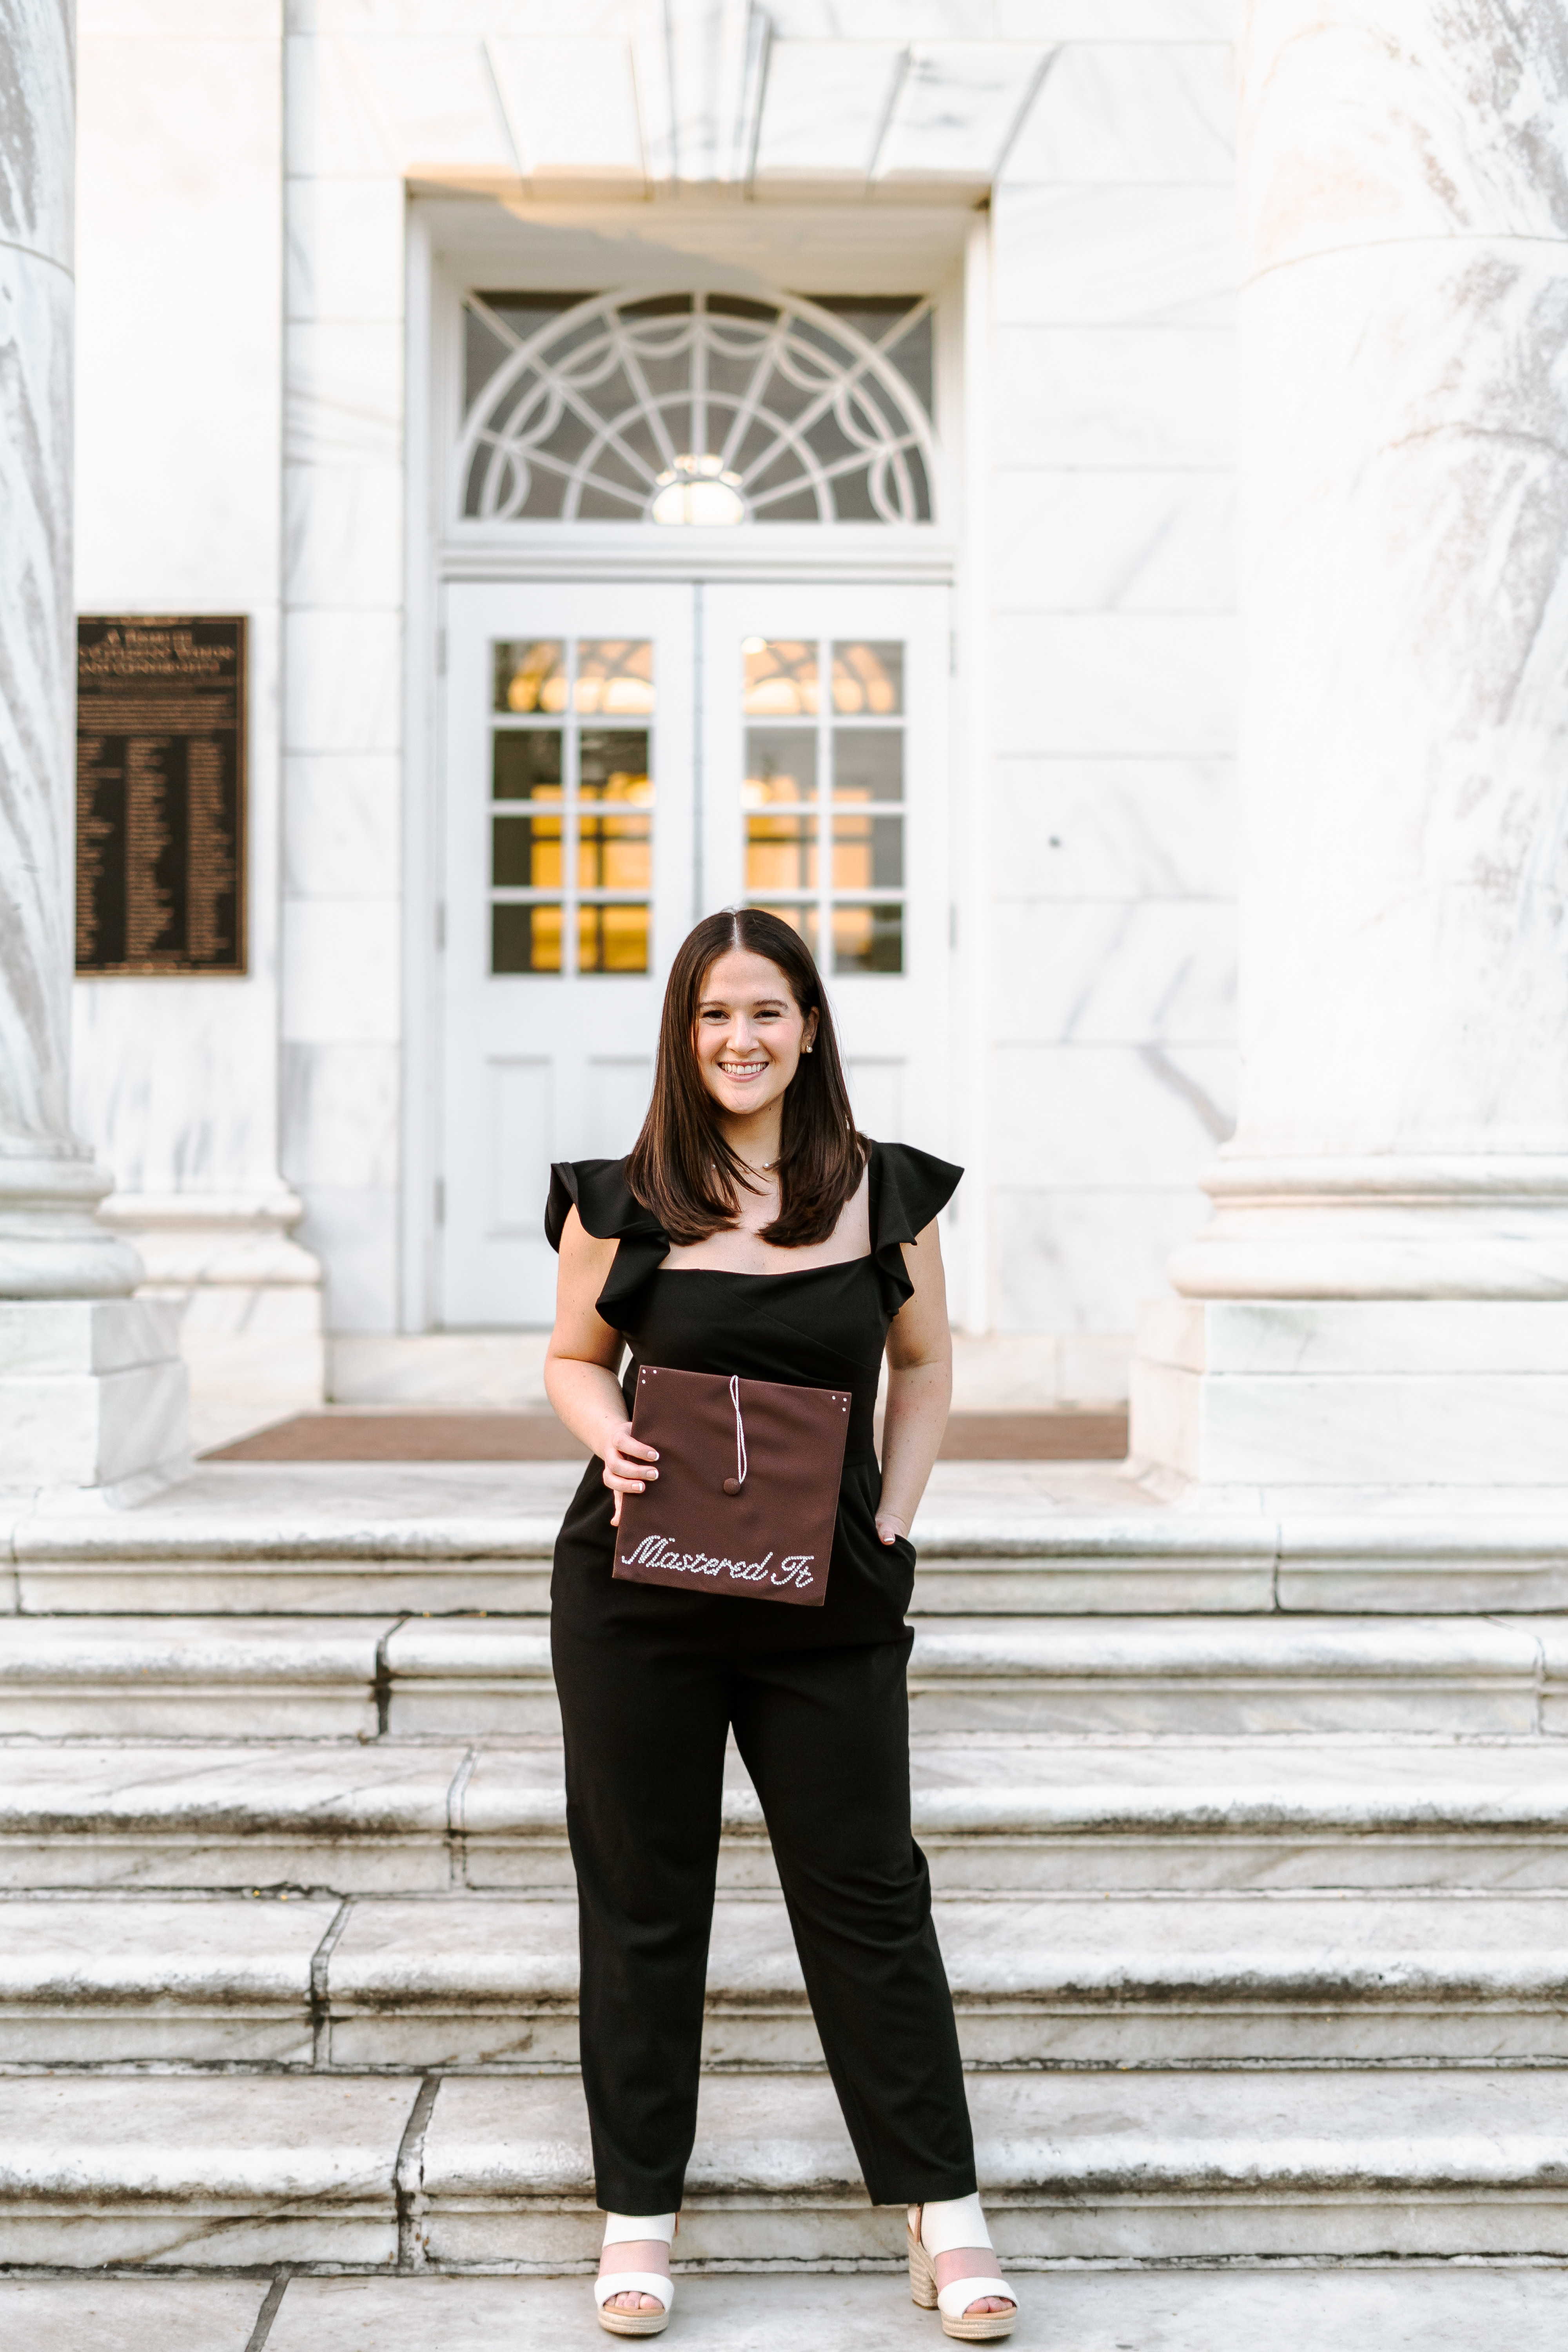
(697, 408)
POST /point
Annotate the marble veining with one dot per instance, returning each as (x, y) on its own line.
(49, 1244)
(1403, 1118)
(1121, 112)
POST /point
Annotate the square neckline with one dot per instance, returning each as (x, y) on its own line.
(785, 1273)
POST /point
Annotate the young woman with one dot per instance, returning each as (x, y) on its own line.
(752, 1230)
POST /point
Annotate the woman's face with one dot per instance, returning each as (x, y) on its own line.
(750, 1033)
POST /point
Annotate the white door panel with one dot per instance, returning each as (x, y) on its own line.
(825, 768)
(575, 789)
(568, 888)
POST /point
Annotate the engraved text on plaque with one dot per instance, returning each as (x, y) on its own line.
(160, 833)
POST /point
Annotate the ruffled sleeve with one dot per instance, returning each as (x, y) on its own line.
(909, 1187)
(599, 1190)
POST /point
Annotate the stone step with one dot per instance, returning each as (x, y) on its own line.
(1062, 1675)
(270, 1677)
(484, 1981)
(194, 1677)
(1100, 1815)
(476, 2172)
(1409, 2306)
(994, 1538)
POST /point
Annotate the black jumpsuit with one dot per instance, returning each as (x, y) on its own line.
(651, 1679)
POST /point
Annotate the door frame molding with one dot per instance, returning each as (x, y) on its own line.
(437, 554)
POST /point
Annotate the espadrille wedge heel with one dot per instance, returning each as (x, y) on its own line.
(626, 2229)
(937, 2229)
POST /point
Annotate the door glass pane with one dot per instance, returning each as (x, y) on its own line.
(867, 677)
(525, 938)
(782, 677)
(525, 853)
(867, 853)
(526, 763)
(614, 677)
(571, 807)
(868, 938)
(781, 853)
(613, 853)
(614, 767)
(867, 763)
(801, 918)
(858, 742)
(611, 939)
(781, 765)
(530, 674)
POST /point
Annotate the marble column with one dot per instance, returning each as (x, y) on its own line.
(1394, 1208)
(90, 1389)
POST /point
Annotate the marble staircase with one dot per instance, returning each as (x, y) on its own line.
(1249, 1838)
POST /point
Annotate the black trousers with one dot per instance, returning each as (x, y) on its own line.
(825, 1736)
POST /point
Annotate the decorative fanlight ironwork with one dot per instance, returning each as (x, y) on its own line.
(695, 409)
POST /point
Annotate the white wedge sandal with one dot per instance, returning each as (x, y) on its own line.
(624, 2229)
(937, 2229)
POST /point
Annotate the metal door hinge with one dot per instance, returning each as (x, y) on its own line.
(441, 927)
(440, 1200)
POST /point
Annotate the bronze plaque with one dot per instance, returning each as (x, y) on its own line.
(160, 794)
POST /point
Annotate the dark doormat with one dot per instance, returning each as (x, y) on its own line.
(540, 1437)
(1034, 1438)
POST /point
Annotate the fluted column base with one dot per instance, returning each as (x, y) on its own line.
(93, 1394)
(1398, 1397)
(51, 1242)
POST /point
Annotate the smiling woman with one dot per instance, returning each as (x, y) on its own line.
(757, 1247)
(743, 1012)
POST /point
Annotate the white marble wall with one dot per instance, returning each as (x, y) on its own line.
(343, 582)
(1113, 831)
(178, 436)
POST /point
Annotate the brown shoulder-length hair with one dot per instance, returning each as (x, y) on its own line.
(680, 1166)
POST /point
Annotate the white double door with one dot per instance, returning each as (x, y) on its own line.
(620, 759)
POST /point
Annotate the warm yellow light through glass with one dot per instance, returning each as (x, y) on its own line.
(867, 677)
(611, 939)
(801, 918)
(781, 853)
(525, 853)
(867, 853)
(868, 938)
(614, 677)
(782, 678)
(525, 939)
(614, 854)
(530, 674)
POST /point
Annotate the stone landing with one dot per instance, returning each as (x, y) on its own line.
(1416, 2308)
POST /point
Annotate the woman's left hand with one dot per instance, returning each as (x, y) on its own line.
(889, 1526)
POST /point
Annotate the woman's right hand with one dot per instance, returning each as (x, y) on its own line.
(627, 1465)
